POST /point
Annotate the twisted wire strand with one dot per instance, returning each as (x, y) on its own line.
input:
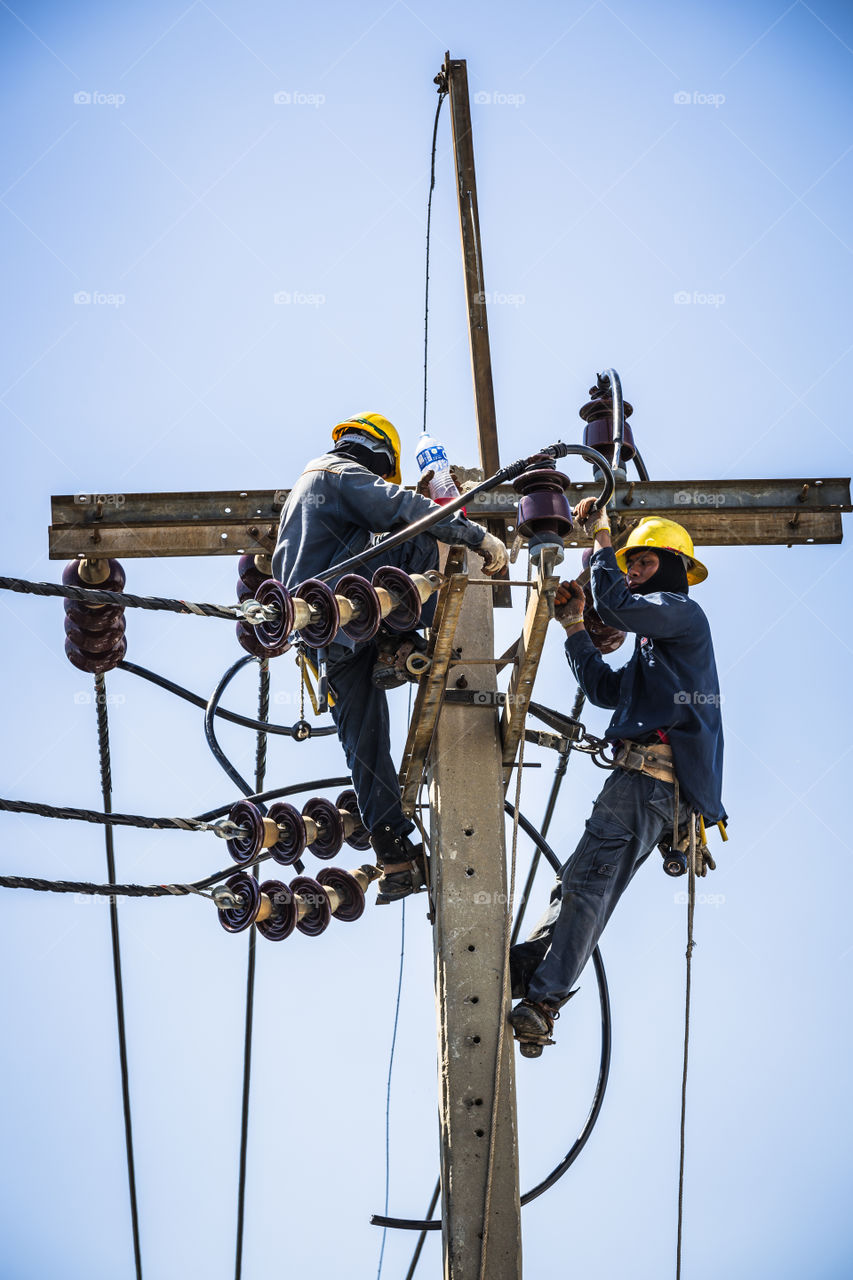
(260, 773)
(106, 789)
(93, 595)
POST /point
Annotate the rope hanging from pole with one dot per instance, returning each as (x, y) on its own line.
(691, 906)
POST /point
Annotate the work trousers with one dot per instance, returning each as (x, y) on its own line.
(631, 815)
(361, 709)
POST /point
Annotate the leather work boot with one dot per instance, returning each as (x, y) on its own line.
(532, 1024)
(394, 649)
(402, 865)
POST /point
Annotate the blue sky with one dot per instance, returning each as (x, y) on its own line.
(628, 156)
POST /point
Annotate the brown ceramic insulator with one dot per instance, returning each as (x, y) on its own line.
(95, 664)
(95, 641)
(114, 581)
(597, 413)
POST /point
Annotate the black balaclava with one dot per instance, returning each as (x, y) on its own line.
(375, 460)
(670, 575)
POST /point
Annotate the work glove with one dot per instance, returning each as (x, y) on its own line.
(494, 553)
(569, 602)
(422, 487)
(590, 520)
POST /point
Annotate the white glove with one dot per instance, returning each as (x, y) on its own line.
(494, 554)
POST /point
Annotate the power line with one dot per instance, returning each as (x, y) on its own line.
(260, 771)
(106, 789)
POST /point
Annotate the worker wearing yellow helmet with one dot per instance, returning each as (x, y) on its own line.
(341, 500)
(667, 735)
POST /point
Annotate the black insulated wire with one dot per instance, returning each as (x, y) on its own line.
(106, 790)
(260, 771)
(232, 716)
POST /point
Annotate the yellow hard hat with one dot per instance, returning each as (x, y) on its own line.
(654, 531)
(378, 427)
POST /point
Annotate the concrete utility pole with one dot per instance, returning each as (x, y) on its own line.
(469, 863)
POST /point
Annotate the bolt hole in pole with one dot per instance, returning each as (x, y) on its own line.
(469, 831)
(472, 947)
(469, 871)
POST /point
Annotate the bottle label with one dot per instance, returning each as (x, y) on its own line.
(428, 457)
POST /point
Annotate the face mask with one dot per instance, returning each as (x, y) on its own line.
(670, 575)
(373, 459)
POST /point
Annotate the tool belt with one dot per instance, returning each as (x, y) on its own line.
(655, 760)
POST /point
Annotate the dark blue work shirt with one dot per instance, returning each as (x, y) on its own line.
(670, 683)
(335, 508)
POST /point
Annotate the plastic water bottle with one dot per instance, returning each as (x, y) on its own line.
(431, 456)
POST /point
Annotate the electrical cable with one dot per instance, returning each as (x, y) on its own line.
(232, 716)
(388, 1089)
(123, 599)
(442, 94)
(166, 890)
(106, 790)
(431, 1224)
(213, 742)
(260, 771)
(559, 775)
(210, 733)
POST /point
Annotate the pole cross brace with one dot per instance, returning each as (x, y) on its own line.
(540, 610)
(431, 685)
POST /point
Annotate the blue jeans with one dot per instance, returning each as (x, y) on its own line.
(631, 815)
(361, 709)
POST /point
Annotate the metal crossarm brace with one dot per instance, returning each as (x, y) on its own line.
(539, 612)
(717, 513)
(431, 685)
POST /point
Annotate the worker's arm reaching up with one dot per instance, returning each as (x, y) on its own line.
(599, 682)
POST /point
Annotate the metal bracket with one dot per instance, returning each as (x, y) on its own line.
(539, 738)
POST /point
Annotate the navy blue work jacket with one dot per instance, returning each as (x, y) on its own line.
(670, 683)
(335, 508)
